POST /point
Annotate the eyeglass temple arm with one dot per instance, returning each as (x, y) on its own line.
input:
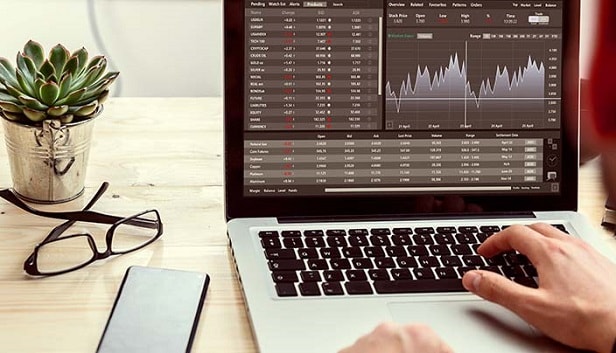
(81, 216)
(57, 231)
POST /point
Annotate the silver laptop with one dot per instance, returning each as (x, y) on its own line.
(372, 145)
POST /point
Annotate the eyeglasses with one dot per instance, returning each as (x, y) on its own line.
(58, 254)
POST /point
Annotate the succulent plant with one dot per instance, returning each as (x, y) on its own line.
(62, 86)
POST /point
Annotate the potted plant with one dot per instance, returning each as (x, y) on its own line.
(47, 106)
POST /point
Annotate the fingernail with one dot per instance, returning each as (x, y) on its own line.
(474, 279)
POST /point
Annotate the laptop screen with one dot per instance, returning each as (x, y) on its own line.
(373, 98)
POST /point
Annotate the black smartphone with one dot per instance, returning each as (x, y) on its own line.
(155, 310)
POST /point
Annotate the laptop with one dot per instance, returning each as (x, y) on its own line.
(371, 146)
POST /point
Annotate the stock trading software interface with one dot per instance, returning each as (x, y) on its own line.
(357, 97)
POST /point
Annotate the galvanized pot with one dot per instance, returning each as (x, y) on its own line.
(48, 162)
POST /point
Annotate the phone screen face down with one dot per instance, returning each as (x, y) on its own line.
(156, 310)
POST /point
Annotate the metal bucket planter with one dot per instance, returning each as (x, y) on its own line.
(48, 162)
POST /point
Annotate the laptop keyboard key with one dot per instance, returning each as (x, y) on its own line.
(358, 288)
(339, 264)
(384, 262)
(335, 232)
(423, 273)
(314, 242)
(293, 242)
(380, 231)
(317, 264)
(332, 288)
(424, 286)
(310, 276)
(286, 265)
(337, 241)
(451, 261)
(429, 261)
(461, 249)
(395, 251)
(467, 229)
(273, 254)
(352, 252)
(268, 233)
(446, 230)
(402, 231)
(374, 251)
(401, 239)
(358, 232)
(291, 233)
(333, 276)
(313, 233)
(445, 272)
(466, 238)
(358, 240)
(284, 276)
(286, 290)
(424, 230)
(489, 229)
(356, 275)
(406, 262)
(271, 243)
(380, 240)
(309, 289)
(380, 274)
(401, 273)
(307, 253)
(423, 239)
(418, 250)
(439, 250)
(362, 263)
(473, 260)
(444, 239)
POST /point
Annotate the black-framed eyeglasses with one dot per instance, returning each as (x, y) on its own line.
(58, 254)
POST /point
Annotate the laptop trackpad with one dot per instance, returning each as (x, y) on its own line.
(476, 326)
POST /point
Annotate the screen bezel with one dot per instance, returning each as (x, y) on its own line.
(238, 205)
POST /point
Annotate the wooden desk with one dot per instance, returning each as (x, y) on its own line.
(163, 153)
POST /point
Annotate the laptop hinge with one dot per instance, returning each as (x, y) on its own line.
(376, 218)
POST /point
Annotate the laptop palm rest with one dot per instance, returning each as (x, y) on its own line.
(476, 326)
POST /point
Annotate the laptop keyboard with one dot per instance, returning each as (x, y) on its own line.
(333, 262)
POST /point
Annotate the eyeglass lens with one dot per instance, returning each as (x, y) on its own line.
(72, 250)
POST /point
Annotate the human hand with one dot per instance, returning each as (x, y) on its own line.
(576, 299)
(394, 338)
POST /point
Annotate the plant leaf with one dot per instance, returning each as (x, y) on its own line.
(100, 86)
(82, 56)
(87, 109)
(49, 93)
(34, 115)
(72, 97)
(15, 92)
(12, 116)
(57, 110)
(102, 98)
(7, 73)
(10, 107)
(72, 65)
(28, 68)
(6, 97)
(35, 51)
(58, 56)
(67, 118)
(24, 84)
(65, 85)
(97, 60)
(48, 70)
(32, 103)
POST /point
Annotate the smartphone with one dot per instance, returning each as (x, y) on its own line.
(155, 310)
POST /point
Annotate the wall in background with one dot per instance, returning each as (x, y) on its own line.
(162, 47)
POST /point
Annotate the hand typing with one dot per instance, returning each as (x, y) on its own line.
(576, 299)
